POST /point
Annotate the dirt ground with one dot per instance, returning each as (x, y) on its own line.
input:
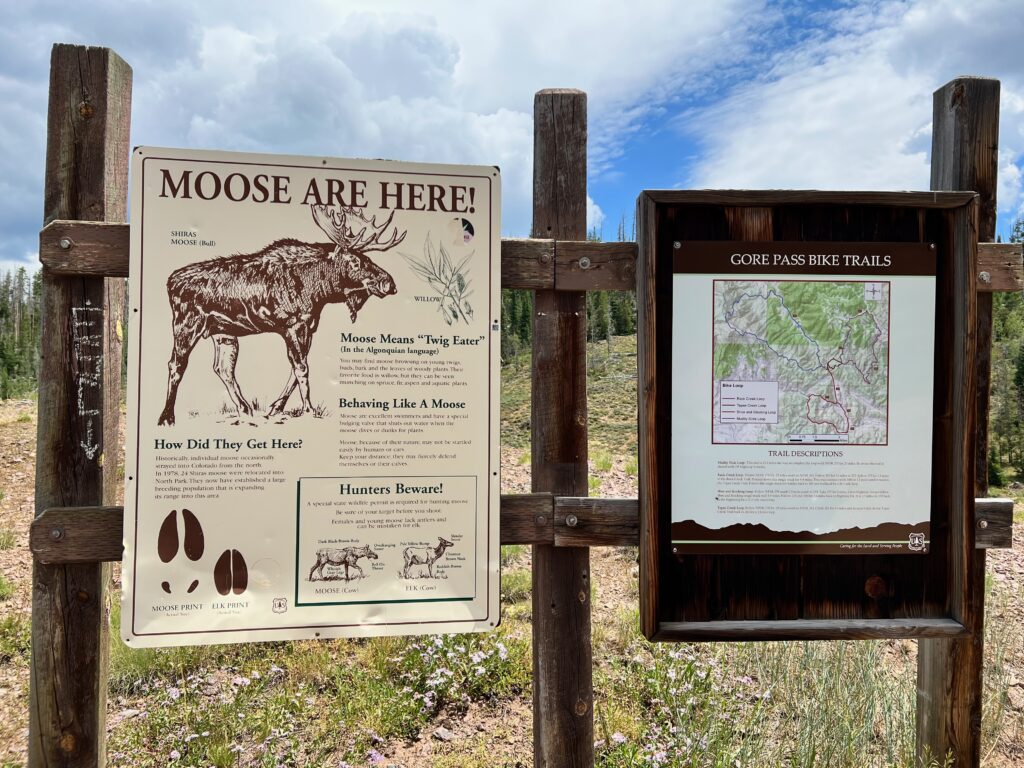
(502, 734)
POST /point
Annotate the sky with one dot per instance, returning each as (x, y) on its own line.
(751, 94)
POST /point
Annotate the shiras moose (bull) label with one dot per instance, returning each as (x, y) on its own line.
(313, 398)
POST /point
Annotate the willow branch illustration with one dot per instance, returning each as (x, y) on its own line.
(448, 280)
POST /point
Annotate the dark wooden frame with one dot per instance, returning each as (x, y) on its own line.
(771, 597)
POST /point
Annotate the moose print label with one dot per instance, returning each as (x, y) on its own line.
(313, 399)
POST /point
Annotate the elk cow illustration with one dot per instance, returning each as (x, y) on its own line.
(339, 558)
(424, 556)
(281, 289)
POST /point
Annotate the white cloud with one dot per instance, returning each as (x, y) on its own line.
(853, 110)
(595, 216)
(452, 82)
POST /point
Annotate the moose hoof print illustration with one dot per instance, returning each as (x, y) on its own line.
(340, 559)
(280, 289)
(168, 543)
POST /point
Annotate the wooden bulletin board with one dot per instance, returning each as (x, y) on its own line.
(757, 592)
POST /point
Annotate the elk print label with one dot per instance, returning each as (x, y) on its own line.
(313, 398)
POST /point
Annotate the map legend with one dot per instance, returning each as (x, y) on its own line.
(749, 402)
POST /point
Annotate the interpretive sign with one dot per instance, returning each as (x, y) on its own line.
(802, 385)
(806, 400)
(313, 404)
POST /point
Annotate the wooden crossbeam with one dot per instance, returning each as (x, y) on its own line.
(94, 534)
(101, 249)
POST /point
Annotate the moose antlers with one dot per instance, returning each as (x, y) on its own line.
(336, 224)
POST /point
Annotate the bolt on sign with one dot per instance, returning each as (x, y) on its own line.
(806, 412)
(313, 400)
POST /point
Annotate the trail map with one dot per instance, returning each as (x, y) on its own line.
(801, 362)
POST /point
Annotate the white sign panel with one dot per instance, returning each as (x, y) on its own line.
(313, 398)
(802, 381)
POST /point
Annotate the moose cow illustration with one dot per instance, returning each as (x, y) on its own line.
(281, 289)
(424, 556)
(339, 558)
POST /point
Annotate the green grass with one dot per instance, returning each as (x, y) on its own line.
(632, 466)
(15, 639)
(303, 703)
(515, 586)
(7, 538)
(602, 460)
(6, 588)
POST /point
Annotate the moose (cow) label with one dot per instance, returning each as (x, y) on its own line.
(312, 441)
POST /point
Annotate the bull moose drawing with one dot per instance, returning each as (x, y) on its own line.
(281, 289)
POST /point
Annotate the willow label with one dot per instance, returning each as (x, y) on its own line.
(313, 400)
(802, 387)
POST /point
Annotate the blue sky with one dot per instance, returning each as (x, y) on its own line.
(698, 94)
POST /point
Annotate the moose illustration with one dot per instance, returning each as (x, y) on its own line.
(339, 558)
(281, 289)
(424, 556)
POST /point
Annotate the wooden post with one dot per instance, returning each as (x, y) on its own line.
(965, 144)
(563, 716)
(79, 405)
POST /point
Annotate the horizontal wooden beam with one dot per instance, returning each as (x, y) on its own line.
(64, 535)
(85, 248)
(94, 534)
(993, 523)
(809, 629)
(98, 248)
(1000, 267)
(759, 198)
(582, 521)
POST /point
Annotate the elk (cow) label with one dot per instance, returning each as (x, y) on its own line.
(312, 441)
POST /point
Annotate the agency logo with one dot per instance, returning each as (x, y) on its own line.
(280, 604)
(916, 543)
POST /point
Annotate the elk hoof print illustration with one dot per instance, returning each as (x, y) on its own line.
(280, 289)
(423, 558)
(231, 574)
(344, 558)
(168, 543)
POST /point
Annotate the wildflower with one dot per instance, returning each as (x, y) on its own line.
(375, 757)
(479, 671)
(618, 738)
(502, 651)
(240, 681)
(175, 755)
(174, 693)
(477, 657)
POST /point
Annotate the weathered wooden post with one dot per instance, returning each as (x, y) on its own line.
(563, 717)
(79, 405)
(965, 145)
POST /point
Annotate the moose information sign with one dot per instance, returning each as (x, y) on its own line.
(313, 401)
